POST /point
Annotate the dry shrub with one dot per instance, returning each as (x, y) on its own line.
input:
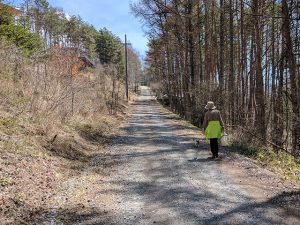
(42, 90)
(39, 101)
(50, 120)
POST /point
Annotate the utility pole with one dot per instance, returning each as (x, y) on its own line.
(126, 70)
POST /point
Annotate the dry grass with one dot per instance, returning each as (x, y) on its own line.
(51, 126)
(281, 163)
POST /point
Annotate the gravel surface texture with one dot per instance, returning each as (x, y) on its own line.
(159, 177)
(158, 180)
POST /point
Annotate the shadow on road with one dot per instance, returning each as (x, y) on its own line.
(165, 197)
(157, 168)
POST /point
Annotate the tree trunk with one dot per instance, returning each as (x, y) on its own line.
(221, 70)
(259, 90)
(291, 62)
(231, 70)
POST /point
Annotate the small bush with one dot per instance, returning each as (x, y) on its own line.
(7, 122)
(92, 133)
(4, 182)
(244, 149)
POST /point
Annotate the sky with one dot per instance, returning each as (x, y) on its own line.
(115, 15)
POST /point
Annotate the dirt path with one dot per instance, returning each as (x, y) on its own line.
(154, 178)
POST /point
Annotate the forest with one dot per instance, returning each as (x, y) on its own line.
(242, 54)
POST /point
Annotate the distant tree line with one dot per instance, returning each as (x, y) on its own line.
(17, 34)
(44, 45)
(53, 26)
(244, 55)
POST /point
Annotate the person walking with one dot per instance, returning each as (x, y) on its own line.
(213, 125)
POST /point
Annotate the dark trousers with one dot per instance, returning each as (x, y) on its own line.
(214, 147)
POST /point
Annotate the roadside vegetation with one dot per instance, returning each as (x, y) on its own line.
(282, 163)
(62, 99)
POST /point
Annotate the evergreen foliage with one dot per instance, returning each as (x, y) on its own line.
(108, 47)
(16, 34)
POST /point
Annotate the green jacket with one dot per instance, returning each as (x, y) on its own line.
(213, 130)
(213, 124)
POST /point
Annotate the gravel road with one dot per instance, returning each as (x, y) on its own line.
(156, 179)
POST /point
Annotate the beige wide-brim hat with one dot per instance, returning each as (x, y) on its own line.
(210, 105)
